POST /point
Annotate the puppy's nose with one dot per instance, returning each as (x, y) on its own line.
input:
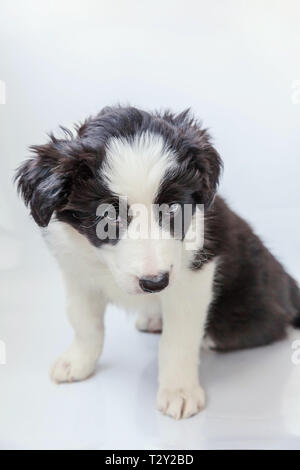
(154, 283)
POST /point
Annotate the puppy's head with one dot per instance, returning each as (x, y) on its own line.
(131, 182)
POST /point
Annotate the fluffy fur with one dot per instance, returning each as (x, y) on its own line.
(223, 285)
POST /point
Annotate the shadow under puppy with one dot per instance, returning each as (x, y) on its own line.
(222, 284)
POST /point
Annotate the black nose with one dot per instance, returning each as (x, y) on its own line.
(154, 283)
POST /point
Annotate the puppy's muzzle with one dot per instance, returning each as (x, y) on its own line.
(153, 284)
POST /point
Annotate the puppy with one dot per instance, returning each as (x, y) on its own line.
(190, 263)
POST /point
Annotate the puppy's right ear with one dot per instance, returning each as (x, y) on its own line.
(43, 187)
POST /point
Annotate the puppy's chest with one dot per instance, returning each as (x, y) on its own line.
(115, 294)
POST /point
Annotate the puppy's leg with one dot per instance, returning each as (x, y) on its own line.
(184, 314)
(85, 307)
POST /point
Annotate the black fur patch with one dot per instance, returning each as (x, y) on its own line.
(255, 298)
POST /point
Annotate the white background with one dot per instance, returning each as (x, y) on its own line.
(236, 64)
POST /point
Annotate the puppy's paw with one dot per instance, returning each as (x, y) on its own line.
(73, 365)
(181, 403)
(149, 323)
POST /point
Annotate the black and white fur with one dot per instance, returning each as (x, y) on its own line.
(230, 289)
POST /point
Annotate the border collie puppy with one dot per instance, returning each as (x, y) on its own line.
(199, 272)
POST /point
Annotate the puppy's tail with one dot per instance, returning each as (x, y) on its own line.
(295, 297)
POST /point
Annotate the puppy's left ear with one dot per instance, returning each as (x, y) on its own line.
(209, 165)
(42, 188)
(46, 181)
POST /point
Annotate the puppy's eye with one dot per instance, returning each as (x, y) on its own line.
(173, 208)
(77, 214)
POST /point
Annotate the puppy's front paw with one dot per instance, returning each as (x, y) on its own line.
(73, 365)
(181, 403)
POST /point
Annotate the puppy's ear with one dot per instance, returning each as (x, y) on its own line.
(209, 165)
(46, 180)
(43, 188)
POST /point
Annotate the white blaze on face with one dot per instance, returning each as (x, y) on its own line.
(135, 169)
